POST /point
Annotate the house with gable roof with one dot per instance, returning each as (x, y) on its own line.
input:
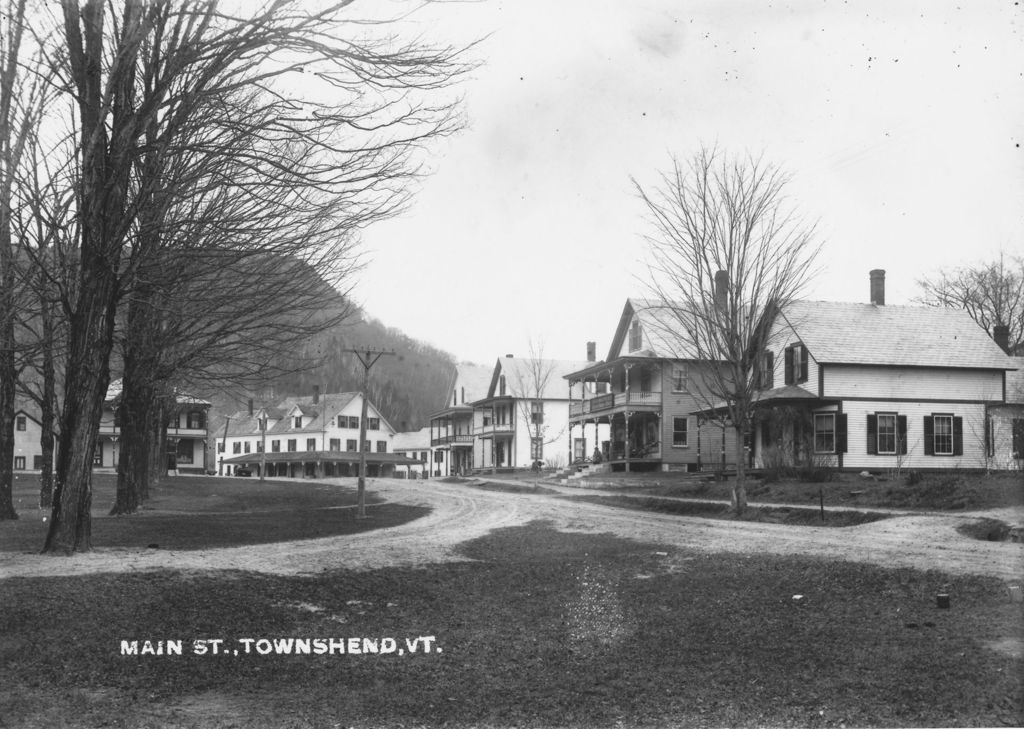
(643, 394)
(866, 386)
(28, 452)
(451, 428)
(309, 437)
(1006, 423)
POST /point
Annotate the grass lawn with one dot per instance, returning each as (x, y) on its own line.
(196, 512)
(935, 491)
(542, 629)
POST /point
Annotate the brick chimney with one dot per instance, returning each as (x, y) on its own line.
(591, 351)
(1001, 333)
(721, 290)
(250, 406)
(508, 356)
(316, 394)
(877, 287)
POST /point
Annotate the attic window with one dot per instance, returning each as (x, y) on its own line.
(298, 421)
(501, 385)
(796, 364)
(636, 337)
(22, 423)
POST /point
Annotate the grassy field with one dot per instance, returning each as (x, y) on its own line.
(934, 491)
(195, 512)
(542, 629)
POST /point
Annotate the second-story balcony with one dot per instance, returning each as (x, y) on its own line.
(459, 439)
(497, 428)
(612, 400)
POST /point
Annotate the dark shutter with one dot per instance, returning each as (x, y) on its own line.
(958, 436)
(769, 375)
(803, 364)
(901, 434)
(789, 365)
(872, 434)
(989, 446)
(840, 432)
(1018, 437)
(929, 435)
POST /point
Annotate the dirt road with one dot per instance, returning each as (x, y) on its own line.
(461, 512)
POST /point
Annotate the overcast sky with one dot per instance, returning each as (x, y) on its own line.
(899, 122)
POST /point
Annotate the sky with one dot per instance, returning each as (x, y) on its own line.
(899, 123)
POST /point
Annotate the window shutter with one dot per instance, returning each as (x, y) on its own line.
(901, 431)
(989, 446)
(840, 432)
(803, 364)
(929, 435)
(958, 436)
(769, 375)
(789, 365)
(872, 434)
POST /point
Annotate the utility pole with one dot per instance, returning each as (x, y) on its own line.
(368, 357)
(263, 446)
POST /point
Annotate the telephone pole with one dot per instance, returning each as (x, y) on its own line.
(368, 357)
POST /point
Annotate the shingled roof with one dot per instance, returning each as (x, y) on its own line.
(321, 414)
(520, 378)
(909, 336)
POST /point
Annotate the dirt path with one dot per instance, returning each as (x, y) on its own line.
(461, 512)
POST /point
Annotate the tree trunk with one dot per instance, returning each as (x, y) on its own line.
(8, 371)
(739, 487)
(47, 410)
(133, 466)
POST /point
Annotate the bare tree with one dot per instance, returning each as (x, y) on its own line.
(991, 292)
(726, 254)
(143, 75)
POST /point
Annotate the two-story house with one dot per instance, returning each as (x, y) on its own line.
(870, 386)
(524, 418)
(647, 393)
(312, 436)
(451, 428)
(28, 452)
(186, 425)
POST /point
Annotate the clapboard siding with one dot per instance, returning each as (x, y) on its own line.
(973, 415)
(851, 381)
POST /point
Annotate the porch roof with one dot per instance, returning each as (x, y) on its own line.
(788, 395)
(601, 368)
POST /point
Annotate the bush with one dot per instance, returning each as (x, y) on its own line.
(914, 478)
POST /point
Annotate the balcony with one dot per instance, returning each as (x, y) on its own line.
(465, 439)
(497, 428)
(646, 400)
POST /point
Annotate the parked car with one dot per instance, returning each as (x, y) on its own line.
(243, 471)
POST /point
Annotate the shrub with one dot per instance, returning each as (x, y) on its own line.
(914, 478)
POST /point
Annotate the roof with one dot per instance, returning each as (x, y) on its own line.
(913, 336)
(323, 456)
(522, 376)
(779, 396)
(1015, 382)
(327, 407)
(661, 328)
(182, 398)
(474, 379)
(411, 440)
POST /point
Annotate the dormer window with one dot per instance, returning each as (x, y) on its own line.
(298, 421)
(636, 336)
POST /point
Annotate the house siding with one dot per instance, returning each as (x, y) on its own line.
(851, 381)
(857, 457)
(26, 443)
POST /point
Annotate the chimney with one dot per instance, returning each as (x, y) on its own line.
(877, 287)
(316, 394)
(250, 406)
(721, 290)
(1001, 333)
(508, 356)
(591, 351)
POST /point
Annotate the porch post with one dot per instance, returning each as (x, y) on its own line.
(627, 415)
(582, 425)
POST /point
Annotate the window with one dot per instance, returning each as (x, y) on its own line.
(382, 446)
(184, 450)
(636, 336)
(536, 412)
(353, 421)
(944, 435)
(579, 449)
(350, 445)
(275, 446)
(423, 456)
(796, 364)
(236, 447)
(824, 433)
(195, 420)
(298, 421)
(259, 446)
(537, 449)
(645, 380)
(37, 463)
(367, 447)
(220, 447)
(373, 423)
(501, 385)
(310, 444)
(487, 420)
(21, 423)
(679, 378)
(887, 434)
(19, 463)
(680, 436)
(292, 445)
(335, 444)
(245, 446)
(342, 421)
